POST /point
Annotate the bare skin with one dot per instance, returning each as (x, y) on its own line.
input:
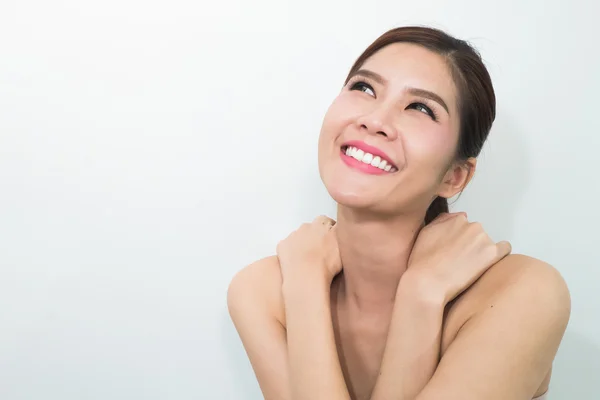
(360, 336)
(379, 307)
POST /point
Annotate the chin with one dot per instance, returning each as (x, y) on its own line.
(351, 190)
(351, 199)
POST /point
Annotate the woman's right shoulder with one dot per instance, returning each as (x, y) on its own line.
(256, 288)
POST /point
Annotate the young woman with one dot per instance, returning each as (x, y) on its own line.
(400, 299)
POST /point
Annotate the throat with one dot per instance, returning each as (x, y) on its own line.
(369, 281)
(369, 295)
(374, 251)
(363, 302)
(360, 340)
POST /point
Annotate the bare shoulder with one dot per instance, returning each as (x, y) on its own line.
(517, 282)
(520, 306)
(533, 287)
(257, 287)
(519, 277)
(255, 304)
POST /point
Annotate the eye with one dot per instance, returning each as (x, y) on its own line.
(363, 87)
(424, 109)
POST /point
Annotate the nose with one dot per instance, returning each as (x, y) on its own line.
(378, 122)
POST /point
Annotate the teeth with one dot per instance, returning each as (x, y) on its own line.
(369, 158)
(359, 154)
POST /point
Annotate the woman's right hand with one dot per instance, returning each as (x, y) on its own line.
(311, 251)
(451, 253)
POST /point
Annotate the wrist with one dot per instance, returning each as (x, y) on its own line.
(421, 288)
(304, 282)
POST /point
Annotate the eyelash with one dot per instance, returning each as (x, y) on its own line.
(353, 83)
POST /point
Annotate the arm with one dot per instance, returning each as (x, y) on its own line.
(315, 371)
(448, 256)
(502, 352)
(303, 365)
(309, 259)
(256, 309)
(413, 346)
(505, 351)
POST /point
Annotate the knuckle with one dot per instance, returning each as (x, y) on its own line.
(459, 221)
(476, 229)
(461, 215)
(475, 226)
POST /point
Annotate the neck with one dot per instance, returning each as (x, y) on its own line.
(374, 250)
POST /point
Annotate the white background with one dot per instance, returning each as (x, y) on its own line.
(149, 150)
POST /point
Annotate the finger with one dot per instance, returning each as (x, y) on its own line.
(446, 216)
(333, 227)
(324, 220)
(440, 218)
(504, 249)
(321, 219)
(460, 214)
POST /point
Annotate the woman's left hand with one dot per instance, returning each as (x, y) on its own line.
(451, 253)
(311, 250)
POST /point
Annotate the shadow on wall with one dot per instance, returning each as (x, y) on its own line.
(501, 180)
(576, 369)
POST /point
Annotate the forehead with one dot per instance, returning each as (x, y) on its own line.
(411, 65)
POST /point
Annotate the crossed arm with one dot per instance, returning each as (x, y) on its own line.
(501, 353)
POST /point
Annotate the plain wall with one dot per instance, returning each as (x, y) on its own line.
(150, 150)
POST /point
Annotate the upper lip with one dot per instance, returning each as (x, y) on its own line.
(359, 144)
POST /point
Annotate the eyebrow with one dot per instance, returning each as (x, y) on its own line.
(414, 91)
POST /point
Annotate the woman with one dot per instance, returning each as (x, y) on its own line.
(400, 299)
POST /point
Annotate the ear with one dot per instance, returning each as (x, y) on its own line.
(457, 177)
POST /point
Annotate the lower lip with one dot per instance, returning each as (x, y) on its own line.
(361, 166)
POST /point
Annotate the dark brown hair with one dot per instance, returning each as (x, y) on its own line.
(476, 98)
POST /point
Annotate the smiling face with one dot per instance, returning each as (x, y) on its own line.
(388, 141)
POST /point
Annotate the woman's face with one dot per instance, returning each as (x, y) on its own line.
(388, 140)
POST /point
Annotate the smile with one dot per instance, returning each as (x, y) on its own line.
(365, 161)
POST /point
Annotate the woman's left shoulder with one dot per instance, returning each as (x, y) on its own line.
(517, 282)
(516, 288)
(518, 274)
(521, 281)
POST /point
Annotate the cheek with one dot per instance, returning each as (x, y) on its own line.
(431, 145)
(335, 122)
(331, 127)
